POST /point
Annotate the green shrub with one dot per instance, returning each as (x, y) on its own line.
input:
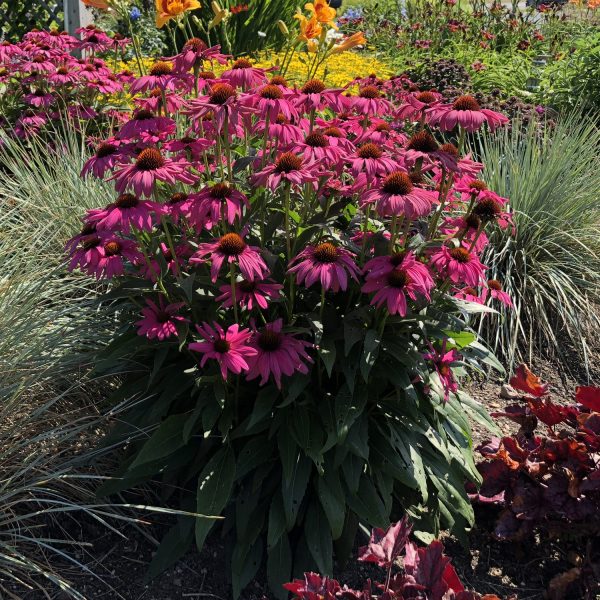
(551, 267)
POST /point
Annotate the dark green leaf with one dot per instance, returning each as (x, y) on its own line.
(214, 488)
(318, 538)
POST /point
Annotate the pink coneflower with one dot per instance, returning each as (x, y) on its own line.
(378, 132)
(270, 101)
(39, 98)
(469, 294)
(189, 147)
(218, 203)
(144, 121)
(107, 85)
(370, 159)
(160, 320)
(466, 112)
(250, 294)
(423, 148)
(396, 195)
(243, 75)
(410, 278)
(229, 348)
(324, 263)
(220, 103)
(316, 148)
(495, 289)
(468, 228)
(232, 248)
(114, 253)
(126, 211)
(161, 76)
(39, 63)
(442, 363)
(64, 75)
(416, 103)
(156, 102)
(488, 207)
(370, 102)
(194, 53)
(284, 131)
(460, 265)
(149, 167)
(107, 155)
(314, 95)
(288, 167)
(86, 249)
(94, 39)
(277, 354)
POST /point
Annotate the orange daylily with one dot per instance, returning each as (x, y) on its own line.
(101, 4)
(322, 11)
(169, 9)
(356, 39)
(310, 29)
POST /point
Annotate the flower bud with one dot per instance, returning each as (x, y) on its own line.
(215, 7)
(283, 28)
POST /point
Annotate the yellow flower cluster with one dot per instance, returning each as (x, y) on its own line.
(338, 70)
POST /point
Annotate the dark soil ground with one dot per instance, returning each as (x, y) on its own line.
(119, 562)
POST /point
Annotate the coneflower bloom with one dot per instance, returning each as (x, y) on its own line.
(107, 155)
(144, 121)
(314, 95)
(488, 207)
(315, 148)
(466, 112)
(410, 278)
(115, 252)
(370, 159)
(189, 147)
(370, 102)
(468, 228)
(469, 294)
(126, 211)
(416, 103)
(325, 263)
(194, 53)
(422, 147)
(86, 249)
(250, 294)
(219, 103)
(149, 167)
(39, 98)
(158, 99)
(229, 348)
(161, 76)
(495, 289)
(277, 354)
(64, 74)
(442, 363)
(270, 101)
(218, 203)
(243, 75)
(160, 320)
(288, 167)
(285, 131)
(231, 248)
(396, 195)
(458, 264)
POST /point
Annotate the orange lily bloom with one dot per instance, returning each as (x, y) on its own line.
(322, 10)
(169, 9)
(309, 28)
(101, 4)
(356, 39)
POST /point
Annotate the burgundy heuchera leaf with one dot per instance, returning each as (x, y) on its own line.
(386, 546)
(588, 396)
(525, 381)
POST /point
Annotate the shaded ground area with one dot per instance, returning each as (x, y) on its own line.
(488, 566)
